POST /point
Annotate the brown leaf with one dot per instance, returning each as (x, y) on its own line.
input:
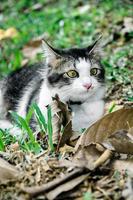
(7, 171)
(67, 133)
(66, 186)
(103, 132)
(32, 48)
(9, 33)
(57, 118)
(106, 126)
(30, 51)
(66, 122)
(91, 156)
(61, 116)
(66, 149)
(121, 141)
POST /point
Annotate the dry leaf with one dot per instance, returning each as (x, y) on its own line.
(56, 121)
(91, 156)
(66, 186)
(34, 47)
(7, 171)
(66, 149)
(106, 126)
(66, 122)
(61, 116)
(121, 141)
(9, 33)
(30, 52)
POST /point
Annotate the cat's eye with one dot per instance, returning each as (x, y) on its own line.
(72, 74)
(94, 71)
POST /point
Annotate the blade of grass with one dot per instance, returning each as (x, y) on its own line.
(2, 145)
(40, 118)
(29, 114)
(31, 144)
(22, 122)
(112, 107)
(50, 130)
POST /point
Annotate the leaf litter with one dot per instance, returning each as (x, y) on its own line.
(94, 157)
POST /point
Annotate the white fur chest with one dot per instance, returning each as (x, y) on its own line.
(86, 114)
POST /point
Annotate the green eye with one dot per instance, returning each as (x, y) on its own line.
(72, 73)
(93, 71)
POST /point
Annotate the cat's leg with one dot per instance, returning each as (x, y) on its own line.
(5, 124)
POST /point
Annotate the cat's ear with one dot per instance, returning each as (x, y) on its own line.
(50, 53)
(95, 48)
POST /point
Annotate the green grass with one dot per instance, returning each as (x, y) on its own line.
(28, 139)
(64, 25)
(2, 145)
(60, 21)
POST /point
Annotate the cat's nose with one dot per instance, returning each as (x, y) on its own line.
(87, 85)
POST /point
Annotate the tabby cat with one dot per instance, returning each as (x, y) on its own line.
(75, 74)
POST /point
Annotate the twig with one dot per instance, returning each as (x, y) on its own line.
(66, 186)
(104, 193)
(104, 157)
(37, 190)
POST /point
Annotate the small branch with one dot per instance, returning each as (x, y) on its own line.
(37, 190)
(104, 157)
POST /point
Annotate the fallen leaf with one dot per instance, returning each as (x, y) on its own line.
(66, 122)
(121, 141)
(106, 126)
(7, 172)
(9, 33)
(95, 146)
(86, 156)
(61, 118)
(30, 52)
(66, 186)
(91, 156)
(56, 121)
(33, 47)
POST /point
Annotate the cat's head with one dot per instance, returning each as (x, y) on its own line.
(75, 74)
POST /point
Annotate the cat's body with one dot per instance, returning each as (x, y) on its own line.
(76, 75)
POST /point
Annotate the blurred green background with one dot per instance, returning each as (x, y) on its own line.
(66, 23)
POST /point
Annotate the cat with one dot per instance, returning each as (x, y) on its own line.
(75, 74)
